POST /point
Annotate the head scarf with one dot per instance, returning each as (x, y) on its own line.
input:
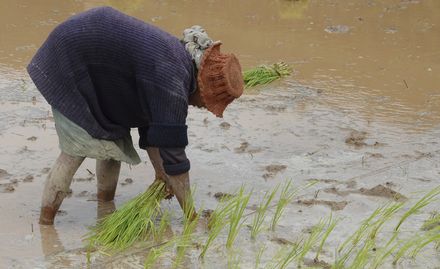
(196, 40)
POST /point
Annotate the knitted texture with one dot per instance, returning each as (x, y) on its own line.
(220, 79)
(109, 72)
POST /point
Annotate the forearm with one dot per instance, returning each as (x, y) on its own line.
(157, 162)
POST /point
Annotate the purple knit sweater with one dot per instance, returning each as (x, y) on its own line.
(109, 72)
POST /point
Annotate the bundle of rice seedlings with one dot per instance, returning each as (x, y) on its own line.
(265, 74)
(134, 221)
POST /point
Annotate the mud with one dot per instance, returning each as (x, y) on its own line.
(379, 191)
(369, 66)
(221, 196)
(335, 206)
(382, 191)
(126, 181)
(273, 169)
(317, 263)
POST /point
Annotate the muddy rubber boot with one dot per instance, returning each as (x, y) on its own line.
(107, 173)
(57, 186)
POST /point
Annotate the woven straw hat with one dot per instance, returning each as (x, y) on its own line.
(220, 79)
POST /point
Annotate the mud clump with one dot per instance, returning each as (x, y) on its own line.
(45, 170)
(222, 195)
(327, 181)
(127, 181)
(356, 138)
(335, 206)
(8, 188)
(273, 169)
(317, 263)
(375, 155)
(32, 138)
(281, 241)
(245, 148)
(382, 191)
(3, 173)
(336, 191)
(83, 179)
(274, 108)
(207, 213)
(378, 191)
(28, 178)
(349, 184)
(225, 126)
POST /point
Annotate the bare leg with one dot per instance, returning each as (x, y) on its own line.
(57, 186)
(180, 187)
(107, 173)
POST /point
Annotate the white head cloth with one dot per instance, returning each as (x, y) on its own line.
(196, 40)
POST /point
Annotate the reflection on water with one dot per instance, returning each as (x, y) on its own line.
(50, 241)
(377, 58)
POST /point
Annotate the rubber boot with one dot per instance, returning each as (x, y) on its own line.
(57, 186)
(107, 173)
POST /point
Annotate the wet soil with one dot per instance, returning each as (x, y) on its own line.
(360, 114)
(335, 206)
(379, 191)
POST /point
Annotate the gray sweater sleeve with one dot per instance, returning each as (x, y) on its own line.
(175, 161)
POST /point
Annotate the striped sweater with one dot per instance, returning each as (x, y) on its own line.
(109, 72)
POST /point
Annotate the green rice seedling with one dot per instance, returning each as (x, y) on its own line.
(265, 74)
(236, 216)
(405, 248)
(432, 222)
(189, 225)
(289, 257)
(431, 237)
(277, 258)
(133, 221)
(341, 260)
(363, 255)
(213, 234)
(387, 213)
(381, 255)
(233, 259)
(349, 247)
(424, 201)
(261, 212)
(316, 232)
(258, 257)
(331, 224)
(218, 220)
(286, 196)
(354, 238)
(155, 253)
(164, 223)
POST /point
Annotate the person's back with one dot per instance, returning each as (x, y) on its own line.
(116, 66)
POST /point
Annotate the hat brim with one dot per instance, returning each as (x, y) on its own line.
(220, 79)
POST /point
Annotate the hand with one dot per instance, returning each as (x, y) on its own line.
(157, 162)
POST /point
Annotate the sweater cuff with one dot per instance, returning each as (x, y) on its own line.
(166, 136)
(177, 169)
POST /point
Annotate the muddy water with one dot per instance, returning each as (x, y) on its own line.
(361, 110)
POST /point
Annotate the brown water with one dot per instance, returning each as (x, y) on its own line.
(369, 66)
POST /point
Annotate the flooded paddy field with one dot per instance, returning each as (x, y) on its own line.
(360, 116)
